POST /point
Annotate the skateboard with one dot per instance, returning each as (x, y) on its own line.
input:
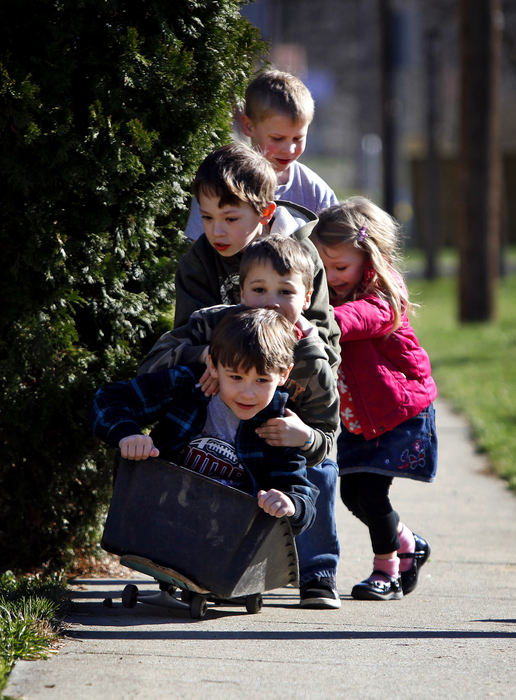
(201, 540)
(192, 597)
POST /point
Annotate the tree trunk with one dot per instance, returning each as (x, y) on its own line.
(391, 105)
(479, 170)
(432, 220)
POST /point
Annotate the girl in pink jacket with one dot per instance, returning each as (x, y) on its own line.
(385, 385)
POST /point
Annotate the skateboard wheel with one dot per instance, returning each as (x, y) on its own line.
(107, 602)
(253, 603)
(198, 606)
(130, 596)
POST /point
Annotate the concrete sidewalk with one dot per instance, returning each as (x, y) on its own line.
(454, 637)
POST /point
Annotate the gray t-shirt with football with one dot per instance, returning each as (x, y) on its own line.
(212, 453)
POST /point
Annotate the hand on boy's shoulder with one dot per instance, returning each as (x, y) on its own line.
(286, 431)
(209, 384)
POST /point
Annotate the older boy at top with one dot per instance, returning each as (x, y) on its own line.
(235, 188)
(277, 272)
(251, 355)
(278, 111)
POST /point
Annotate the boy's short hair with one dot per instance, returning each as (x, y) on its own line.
(274, 92)
(249, 338)
(286, 254)
(236, 173)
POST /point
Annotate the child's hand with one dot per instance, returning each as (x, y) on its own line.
(289, 431)
(275, 503)
(209, 384)
(138, 447)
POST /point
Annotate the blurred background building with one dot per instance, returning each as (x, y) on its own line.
(338, 48)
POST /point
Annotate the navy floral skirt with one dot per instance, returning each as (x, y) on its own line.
(409, 450)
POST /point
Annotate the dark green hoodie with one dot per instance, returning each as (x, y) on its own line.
(206, 278)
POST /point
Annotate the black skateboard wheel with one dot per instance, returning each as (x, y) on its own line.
(198, 606)
(253, 603)
(130, 596)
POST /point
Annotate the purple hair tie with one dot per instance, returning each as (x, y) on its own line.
(362, 234)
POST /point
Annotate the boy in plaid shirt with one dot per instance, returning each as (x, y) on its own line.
(251, 355)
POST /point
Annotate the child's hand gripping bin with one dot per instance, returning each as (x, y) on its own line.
(213, 534)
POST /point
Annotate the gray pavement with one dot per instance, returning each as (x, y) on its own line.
(453, 637)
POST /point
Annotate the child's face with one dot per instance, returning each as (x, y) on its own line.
(264, 287)
(246, 393)
(230, 228)
(344, 265)
(281, 140)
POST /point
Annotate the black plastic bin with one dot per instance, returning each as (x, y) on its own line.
(213, 534)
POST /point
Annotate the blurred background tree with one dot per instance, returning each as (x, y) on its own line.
(386, 79)
(106, 109)
(479, 159)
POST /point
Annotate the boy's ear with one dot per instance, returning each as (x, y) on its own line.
(211, 368)
(268, 213)
(246, 125)
(308, 299)
(284, 375)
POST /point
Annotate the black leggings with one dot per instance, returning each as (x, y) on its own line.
(367, 497)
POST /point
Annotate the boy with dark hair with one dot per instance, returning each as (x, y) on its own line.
(235, 188)
(251, 353)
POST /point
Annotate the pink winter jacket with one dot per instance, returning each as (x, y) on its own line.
(389, 376)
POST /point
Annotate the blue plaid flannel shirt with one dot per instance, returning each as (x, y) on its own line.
(171, 399)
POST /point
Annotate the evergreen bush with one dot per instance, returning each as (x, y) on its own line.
(106, 109)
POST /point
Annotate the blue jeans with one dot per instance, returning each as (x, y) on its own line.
(318, 547)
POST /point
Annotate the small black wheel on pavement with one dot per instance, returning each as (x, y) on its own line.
(107, 602)
(253, 603)
(198, 606)
(130, 596)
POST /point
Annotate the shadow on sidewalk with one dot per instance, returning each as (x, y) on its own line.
(288, 636)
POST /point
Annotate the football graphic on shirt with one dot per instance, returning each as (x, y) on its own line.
(213, 457)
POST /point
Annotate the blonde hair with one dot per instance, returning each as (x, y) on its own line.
(359, 221)
(274, 92)
(285, 254)
(236, 173)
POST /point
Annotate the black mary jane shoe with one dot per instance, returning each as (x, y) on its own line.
(389, 589)
(419, 557)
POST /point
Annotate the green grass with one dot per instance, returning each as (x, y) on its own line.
(31, 610)
(474, 365)
(446, 259)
